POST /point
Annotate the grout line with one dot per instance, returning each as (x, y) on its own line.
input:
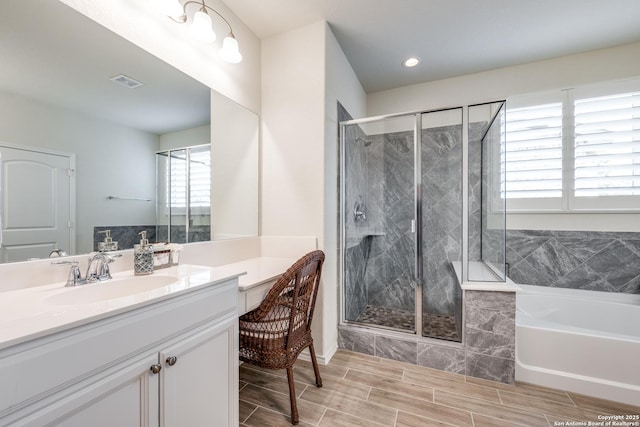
(547, 418)
(500, 397)
(571, 399)
(326, 408)
(306, 386)
(252, 412)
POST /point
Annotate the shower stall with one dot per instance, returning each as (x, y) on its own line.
(421, 213)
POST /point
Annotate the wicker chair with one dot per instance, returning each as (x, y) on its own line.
(275, 333)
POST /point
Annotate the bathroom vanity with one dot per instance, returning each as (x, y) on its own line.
(156, 352)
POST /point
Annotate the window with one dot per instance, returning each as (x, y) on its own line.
(184, 181)
(198, 190)
(577, 149)
(607, 145)
(534, 151)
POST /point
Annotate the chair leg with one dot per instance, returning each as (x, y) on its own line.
(292, 396)
(315, 365)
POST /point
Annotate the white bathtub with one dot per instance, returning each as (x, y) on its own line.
(582, 341)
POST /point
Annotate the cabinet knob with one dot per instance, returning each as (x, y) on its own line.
(155, 368)
(172, 360)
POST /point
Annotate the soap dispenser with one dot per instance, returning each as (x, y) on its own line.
(108, 244)
(143, 256)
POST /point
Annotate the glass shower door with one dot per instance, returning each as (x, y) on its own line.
(378, 204)
(440, 207)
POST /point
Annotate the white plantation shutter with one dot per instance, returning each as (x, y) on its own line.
(577, 150)
(534, 152)
(199, 178)
(607, 145)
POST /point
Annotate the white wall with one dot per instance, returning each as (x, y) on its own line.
(568, 71)
(616, 63)
(200, 135)
(342, 85)
(292, 156)
(304, 74)
(140, 22)
(109, 159)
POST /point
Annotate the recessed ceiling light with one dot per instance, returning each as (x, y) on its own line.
(411, 62)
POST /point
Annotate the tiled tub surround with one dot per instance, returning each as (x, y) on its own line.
(487, 350)
(590, 260)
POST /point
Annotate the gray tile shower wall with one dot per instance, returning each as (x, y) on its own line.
(354, 271)
(599, 261)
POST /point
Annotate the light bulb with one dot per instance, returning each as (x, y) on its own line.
(201, 28)
(171, 8)
(229, 51)
(411, 62)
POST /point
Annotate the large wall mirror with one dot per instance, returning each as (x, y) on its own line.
(79, 136)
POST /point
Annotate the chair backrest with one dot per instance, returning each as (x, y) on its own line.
(291, 301)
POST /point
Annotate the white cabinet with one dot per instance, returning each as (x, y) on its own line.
(125, 396)
(100, 373)
(194, 388)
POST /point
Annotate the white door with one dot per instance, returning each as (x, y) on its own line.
(36, 204)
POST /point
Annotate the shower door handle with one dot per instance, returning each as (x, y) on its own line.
(418, 249)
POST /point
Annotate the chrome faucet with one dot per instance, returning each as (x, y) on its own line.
(97, 270)
(75, 276)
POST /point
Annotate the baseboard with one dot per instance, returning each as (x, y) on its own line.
(323, 359)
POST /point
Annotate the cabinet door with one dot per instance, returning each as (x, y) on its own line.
(199, 388)
(123, 396)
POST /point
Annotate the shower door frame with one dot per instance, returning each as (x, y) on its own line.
(417, 221)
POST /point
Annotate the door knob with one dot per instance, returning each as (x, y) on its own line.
(155, 368)
(172, 360)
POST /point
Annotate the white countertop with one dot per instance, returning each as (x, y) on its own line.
(38, 311)
(258, 270)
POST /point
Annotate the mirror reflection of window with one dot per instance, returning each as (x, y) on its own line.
(184, 194)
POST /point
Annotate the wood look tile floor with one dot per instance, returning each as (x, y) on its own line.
(361, 390)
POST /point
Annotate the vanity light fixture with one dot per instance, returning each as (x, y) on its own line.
(411, 62)
(201, 27)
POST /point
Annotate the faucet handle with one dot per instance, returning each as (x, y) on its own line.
(101, 261)
(75, 276)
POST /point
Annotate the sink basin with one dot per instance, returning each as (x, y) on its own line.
(115, 288)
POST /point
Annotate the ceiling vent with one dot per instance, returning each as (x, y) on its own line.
(126, 81)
